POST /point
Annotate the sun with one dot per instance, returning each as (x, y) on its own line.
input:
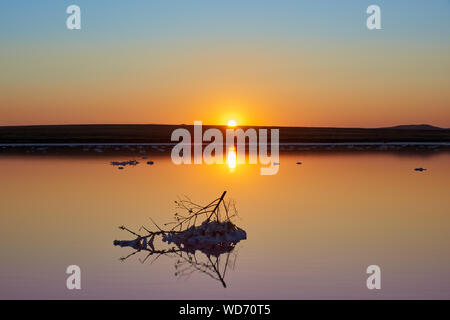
(232, 123)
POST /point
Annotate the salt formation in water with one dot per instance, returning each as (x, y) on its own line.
(122, 164)
(211, 237)
(125, 163)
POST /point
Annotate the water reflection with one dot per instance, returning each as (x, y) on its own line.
(300, 246)
(232, 158)
(207, 247)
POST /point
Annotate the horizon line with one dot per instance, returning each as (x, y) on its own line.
(220, 125)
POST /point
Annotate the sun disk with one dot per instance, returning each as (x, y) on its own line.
(232, 123)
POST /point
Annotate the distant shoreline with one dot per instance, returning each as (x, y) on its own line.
(161, 134)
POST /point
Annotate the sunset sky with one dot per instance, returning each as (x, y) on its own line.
(284, 62)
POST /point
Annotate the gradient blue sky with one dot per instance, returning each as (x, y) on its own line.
(282, 62)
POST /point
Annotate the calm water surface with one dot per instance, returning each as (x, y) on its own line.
(312, 229)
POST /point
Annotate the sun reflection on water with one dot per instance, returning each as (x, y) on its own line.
(231, 158)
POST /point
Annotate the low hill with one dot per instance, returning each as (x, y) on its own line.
(415, 127)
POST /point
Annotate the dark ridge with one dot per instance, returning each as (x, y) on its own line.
(117, 133)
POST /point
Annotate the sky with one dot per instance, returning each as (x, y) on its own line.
(260, 62)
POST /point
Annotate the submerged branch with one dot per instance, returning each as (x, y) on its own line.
(212, 237)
